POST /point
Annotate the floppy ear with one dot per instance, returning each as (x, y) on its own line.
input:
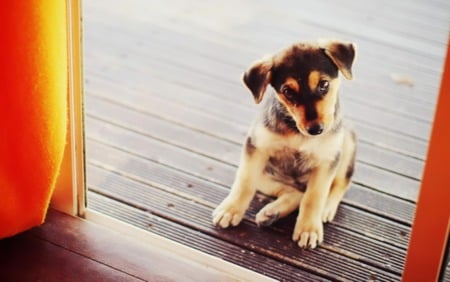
(342, 54)
(257, 77)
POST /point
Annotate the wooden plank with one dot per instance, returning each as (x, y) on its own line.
(357, 112)
(345, 23)
(200, 73)
(248, 235)
(390, 141)
(219, 149)
(200, 241)
(196, 26)
(166, 131)
(390, 161)
(372, 201)
(174, 181)
(26, 257)
(118, 252)
(446, 277)
(152, 105)
(386, 182)
(180, 94)
(220, 172)
(159, 152)
(370, 74)
(246, 32)
(210, 195)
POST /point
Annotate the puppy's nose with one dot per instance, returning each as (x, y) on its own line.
(315, 129)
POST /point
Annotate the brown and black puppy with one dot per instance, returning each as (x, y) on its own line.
(298, 149)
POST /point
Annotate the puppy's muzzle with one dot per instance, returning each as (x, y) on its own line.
(314, 128)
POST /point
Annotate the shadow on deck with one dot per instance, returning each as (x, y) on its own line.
(166, 116)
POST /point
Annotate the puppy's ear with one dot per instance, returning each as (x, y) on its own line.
(341, 53)
(257, 77)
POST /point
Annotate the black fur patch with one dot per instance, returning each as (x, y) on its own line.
(276, 118)
(249, 146)
(297, 62)
(289, 167)
(351, 165)
(350, 171)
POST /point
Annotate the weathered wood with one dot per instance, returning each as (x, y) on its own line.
(167, 114)
(210, 195)
(28, 258)
(66, 248)
(203, 242)
(205, 81)
(228, 152)
(174, 180)
(222, 173)
(267, 241)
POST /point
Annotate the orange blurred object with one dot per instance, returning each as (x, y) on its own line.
(33, 110)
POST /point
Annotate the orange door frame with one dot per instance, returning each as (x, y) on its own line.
(430, 231)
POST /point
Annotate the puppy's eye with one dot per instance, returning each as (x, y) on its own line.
(288, 92)
(323, 86)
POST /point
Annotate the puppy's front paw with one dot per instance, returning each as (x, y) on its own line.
(308, 233)
(229, 212)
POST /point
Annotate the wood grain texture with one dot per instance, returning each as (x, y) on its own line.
(167, 114)
(70, 249)
(28, 258)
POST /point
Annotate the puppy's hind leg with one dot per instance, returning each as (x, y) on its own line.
(288, 200)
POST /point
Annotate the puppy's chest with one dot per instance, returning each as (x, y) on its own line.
(290, 166)
(292, 159)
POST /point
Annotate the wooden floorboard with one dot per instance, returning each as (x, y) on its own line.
(27, 258)
(446, 277)
(161, 129)
(167, 113)
(180, 233)
(137, 194)
(270, 242)
(177, 180)
(220, 172)
(66, 248)
(406, 125)
(192, 116)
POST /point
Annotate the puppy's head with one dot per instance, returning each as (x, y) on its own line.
(305, 78)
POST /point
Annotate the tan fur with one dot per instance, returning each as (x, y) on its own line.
(326, 106)
(313, 79)
(292, 82)
(324, 159)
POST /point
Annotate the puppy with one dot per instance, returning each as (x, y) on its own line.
(298, 149)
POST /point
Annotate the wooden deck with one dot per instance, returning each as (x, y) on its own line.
(68, 249)
(167, 113)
